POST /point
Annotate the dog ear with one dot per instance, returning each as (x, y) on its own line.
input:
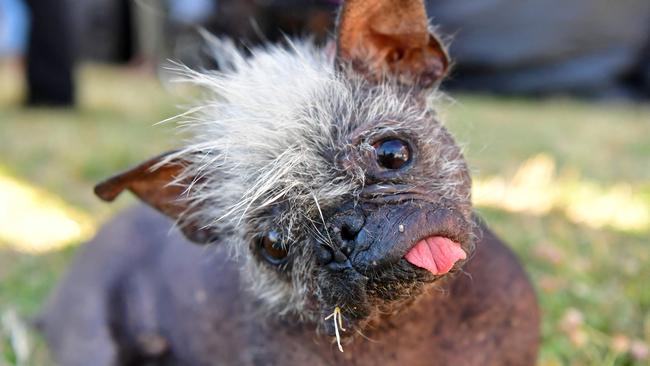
(159, 183)
(391, 38)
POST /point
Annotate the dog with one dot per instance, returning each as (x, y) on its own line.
(333, 215)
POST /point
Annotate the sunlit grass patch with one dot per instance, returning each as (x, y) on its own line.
(537, 189)
(35, 221)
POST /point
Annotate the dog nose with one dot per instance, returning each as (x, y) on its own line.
(343, 231)
(346, 230)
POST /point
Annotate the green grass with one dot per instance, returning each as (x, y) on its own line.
(592, 281)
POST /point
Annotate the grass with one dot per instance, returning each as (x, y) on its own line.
(552, 157)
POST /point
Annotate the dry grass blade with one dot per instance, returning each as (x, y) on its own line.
(338, 323)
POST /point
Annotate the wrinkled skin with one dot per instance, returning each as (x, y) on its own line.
(138, 295)
(375, 279)
(365, 274)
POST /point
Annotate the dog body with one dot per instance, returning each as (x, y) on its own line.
(333, 205)
(159, 299)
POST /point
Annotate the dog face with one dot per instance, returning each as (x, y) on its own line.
(328, 175)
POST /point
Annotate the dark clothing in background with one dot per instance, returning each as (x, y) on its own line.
(50, 58)
(584, 47)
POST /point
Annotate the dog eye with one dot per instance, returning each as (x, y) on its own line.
(271, 248)
(392, 154)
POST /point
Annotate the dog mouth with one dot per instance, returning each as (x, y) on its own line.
(436, 254)
(427, 237)
(399, 251)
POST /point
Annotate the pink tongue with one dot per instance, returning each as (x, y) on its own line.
(435, 254)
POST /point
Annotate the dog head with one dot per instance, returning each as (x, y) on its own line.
(327, 173)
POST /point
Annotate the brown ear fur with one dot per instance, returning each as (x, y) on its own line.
(157, 185)
(391, 38)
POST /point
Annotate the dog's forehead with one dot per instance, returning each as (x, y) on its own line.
(287, 97)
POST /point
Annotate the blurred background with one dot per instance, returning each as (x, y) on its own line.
(551, 101)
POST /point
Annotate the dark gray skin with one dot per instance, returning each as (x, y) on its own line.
(140, 293)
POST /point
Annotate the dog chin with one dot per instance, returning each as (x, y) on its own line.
(367, 302)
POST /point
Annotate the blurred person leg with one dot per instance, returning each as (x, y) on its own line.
(125, 51)
(149, 17)
(50, 60)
